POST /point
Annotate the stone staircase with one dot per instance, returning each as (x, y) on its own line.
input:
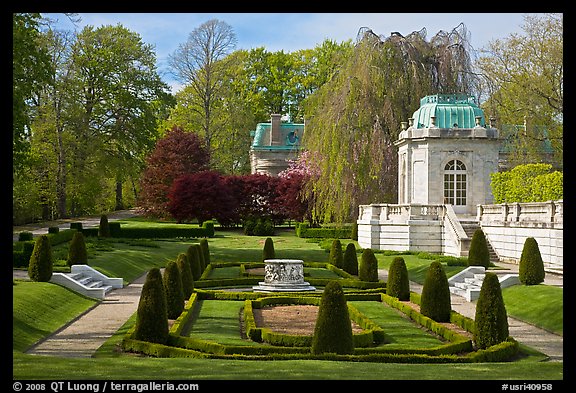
(468, 282)
(87, 281)
(470, 226)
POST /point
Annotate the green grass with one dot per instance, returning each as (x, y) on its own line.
(540, 305)
(42, 308)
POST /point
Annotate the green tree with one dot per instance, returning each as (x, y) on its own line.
(333, 329)
(479, 255)
(41, 261)
(524, 78)
(104, 228)
(368, 269)
(531, 266)
(336, 257)
(151, 315)
(435, 301)
(194, 260)
(173, 287)
(352, 120)
(490, 320)
(527, 183)
(398, 284)
(186, 275)
(77, 254)
(350, 263)
(268, 251)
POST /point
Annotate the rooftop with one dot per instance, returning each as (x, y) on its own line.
(449, 110)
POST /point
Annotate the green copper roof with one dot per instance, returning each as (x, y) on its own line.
(291, 135)
(451, 111)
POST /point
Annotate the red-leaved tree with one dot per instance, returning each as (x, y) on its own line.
(201, 196)
(177, 153)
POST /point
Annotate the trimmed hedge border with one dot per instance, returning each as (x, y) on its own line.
(180, 346)
(206, 230)
(326, 232)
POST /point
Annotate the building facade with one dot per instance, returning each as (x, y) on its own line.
(274, 144)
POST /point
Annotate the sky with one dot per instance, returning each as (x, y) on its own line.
(293, 31)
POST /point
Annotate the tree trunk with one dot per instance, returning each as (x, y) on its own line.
(119, 202)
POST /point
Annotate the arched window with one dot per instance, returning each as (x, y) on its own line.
(455, 183)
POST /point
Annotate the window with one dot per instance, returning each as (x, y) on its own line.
(455, 183)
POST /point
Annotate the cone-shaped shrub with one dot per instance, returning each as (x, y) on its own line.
(350, 264)
(531, 269)
(268, 251)
(398, 284)
(479, 255)
(491, 320)
(205, 251)
(368, 269)
(194, 261)
(173, 287)
(354, 235)
(151, 316)
(104, 228)
(336, 257)
(201, 259)
(41, 262)
(435, 298)
(77, 254)
(333, 329)
(185, 275)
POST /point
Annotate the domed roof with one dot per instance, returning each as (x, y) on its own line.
(450, 110)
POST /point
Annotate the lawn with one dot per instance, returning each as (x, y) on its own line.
(131, 260)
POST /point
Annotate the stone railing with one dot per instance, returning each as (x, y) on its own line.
(550, 212)
(401, 213)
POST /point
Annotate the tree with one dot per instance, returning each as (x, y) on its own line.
(353, 119)
(333, 329)
(177, 153)
(524, 77)
(368, 269)
(151, 315)
(490, 320)
(531, 267)
(268, 251)
(41, 260)
(336, 257)
(479, 254)
(198, 63)
(173, 287)
(77, 254)
(201, 196)
(194, 259)
(350, 263)
(398, 284)
(527, 183)
(104, 228)
(435, 301)
(185, 274)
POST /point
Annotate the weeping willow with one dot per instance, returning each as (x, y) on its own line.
(353, 120)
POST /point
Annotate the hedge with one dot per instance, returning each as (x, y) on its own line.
(326, 232)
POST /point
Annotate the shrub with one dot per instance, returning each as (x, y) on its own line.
(435, 297)
(368, 269)
(336, 258)
(333, 329)
(268, 251)
(77, 254)
(205, 252)
(350, 263)
(531, 268)
(491, 320)
(151, 316)
(479, 255)
(173, 287)
(76, 225)
(354, 234)
(115, 229)
(53, 230)
(25, 236)
(194, 260)
(104, 228)
(41, 262)
(258, 226)
(398, 284)
(185, 275)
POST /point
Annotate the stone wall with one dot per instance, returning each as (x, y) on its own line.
(507, 225)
